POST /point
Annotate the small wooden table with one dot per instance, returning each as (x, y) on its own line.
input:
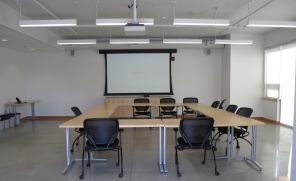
(15, 104)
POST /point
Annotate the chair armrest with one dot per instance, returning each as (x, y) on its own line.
(176, 129)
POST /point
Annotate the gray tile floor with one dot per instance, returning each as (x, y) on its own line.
(36, 151)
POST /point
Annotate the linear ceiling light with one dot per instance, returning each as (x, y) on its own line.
(183, 41)
(236, 42)
(118, 22)
(202, 22)
(76, 42)
(129, 41)
(48, 23)
(262, 23)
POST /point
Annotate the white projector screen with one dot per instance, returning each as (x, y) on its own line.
(138, 74)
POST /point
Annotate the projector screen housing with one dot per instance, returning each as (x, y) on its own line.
(138, 72)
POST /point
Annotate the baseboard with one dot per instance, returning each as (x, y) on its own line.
(266, 120)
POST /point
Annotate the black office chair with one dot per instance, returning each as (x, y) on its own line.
(185, 109)
(242, 131)
(221, 104)
(77, 112)
(101, 134)
(195, 134)
(168, 110)
(141, 110)
(223, 130)
(215, 104)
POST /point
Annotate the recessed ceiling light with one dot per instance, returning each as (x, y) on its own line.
(32, 49)
(4, 40)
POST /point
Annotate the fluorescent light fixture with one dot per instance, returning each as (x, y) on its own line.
(48, 23)
(77, 42)
(129, 41)
(183, 41)
(262, 23)
(202, 22)
(4, 40)
(235, 42)
(118, 22)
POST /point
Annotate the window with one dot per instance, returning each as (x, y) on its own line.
(279, 68)
(272, 73)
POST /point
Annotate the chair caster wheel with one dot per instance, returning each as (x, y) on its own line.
(215, 149)
(72, 150)
(77, 144)
(217, 173)
(237, 147)
(81, 177)
(117, 164)
(88, 165)
(203, 162)
(179, 174)
(120, 175)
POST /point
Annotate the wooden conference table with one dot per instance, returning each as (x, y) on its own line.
(222, 119)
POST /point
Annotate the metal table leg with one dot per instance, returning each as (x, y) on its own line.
(164, 150)
(68, 155)
(160, 151)
(253, 150)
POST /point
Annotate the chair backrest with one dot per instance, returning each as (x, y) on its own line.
(189, 100)
(246, 112)
(221, 104)
(167, 101)
(197, 129)
(141, 100)
(231, 108)
(215, 104)
(101, 131)
(76, 111)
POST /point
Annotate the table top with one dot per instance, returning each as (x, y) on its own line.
(222, 118)
(22, 103)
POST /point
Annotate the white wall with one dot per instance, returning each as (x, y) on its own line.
(196, 74)
(61, 81)
(246, 74)
(12, 79)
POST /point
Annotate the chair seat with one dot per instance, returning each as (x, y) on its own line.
(91, 147)
(182, 144)
(223, 130)
(188, 112)
(80, 130)
(237, 132)
(168, 113)
(142, 113)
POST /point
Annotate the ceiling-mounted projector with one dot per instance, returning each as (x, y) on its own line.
(133, 29)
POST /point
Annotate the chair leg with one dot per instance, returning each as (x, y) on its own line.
(216, 172)
(72, 150)
(237, 143)
(121, 164)
(82, 174)
(88, 161)
(205, 155)
(217, 140)
(177, 162)
(247, 141)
